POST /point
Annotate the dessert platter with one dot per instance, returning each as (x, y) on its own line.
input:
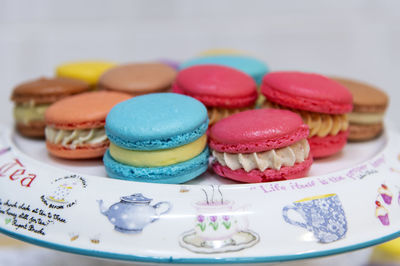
(74, 207)
(281, 183)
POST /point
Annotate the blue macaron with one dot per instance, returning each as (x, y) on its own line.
(249, 65)
(156, 122)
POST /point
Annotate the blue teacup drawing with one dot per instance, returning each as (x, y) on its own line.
(323, 215)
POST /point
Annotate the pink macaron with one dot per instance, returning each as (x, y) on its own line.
(322, 103)
(261, 145)
(223, 90)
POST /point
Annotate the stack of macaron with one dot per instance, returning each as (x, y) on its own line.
(158, 138)
(223, 90)
(322, 103)
(32, 99)
(145, 133)
(75, 125)
(369, 106)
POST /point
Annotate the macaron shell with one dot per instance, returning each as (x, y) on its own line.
(217, 86)
(307, 91)
(80, 152)
(88, 71)
(173, 174)
(156, 121)
(326, 146)
(269, 175)
(138, 79)
(366, 98)
(47, 90)
(86, 110)
(257, 130)
(360, 132)
(33, 129)
(249, 65)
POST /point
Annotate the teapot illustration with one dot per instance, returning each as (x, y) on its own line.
(133, 212)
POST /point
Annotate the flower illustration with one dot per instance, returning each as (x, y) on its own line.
(200, 218)
(213, 223)
(226, 217)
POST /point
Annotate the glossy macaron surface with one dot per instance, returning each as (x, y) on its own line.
(156, 121)
(257, 130)
(307, 91)
(88, 71)
(47, 90)
(139, 78)
(216, 86)
(249, 65)
(85, 110)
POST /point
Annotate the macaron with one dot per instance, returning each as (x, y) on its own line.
(223, 90)
(88, 71)
(221, 51)
(75, 125)
(32, 98)
(137, 79)
(251, 66)
(369, 106)
(157, 138)
(261, 145)
(322, 103)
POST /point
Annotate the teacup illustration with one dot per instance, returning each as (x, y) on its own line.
(323, 215)
(218, 221)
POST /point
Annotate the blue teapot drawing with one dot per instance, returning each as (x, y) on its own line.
(133, 212)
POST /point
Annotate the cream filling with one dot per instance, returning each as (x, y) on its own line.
(28, 112)
(274, 159)
(77, 137)
(366, 118)
(320, 124)
(381, 190)
(217, 113)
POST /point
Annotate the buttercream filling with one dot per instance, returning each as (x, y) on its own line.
(158, 157)
(287, 156)
(366, 118)
(217, 113)
(320, 124)
(74, 138)
(29, 112)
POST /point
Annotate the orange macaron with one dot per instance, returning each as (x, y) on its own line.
(75, 125)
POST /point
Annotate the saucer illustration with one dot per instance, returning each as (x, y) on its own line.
(240, 240)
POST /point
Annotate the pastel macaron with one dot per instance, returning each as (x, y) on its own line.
(75, 125)
(369, 107)
(223, 90)
(138, 78)
(157, 138)
(261, 145)
(253, 67)
(322, 103)
(88, 71)
(32, 99)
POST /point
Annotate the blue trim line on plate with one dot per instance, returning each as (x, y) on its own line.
(116, 256)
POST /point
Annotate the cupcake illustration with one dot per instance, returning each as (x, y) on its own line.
(381, 213)
(386, 194)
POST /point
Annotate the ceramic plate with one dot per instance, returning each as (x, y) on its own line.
(349, 201)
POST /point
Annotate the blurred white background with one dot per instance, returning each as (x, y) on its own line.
(359, 38)
(354, 38)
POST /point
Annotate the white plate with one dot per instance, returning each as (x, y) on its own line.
(71, 206)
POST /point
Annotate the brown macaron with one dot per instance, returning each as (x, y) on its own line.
(137, 79)
(32, 98)
(369, 106)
